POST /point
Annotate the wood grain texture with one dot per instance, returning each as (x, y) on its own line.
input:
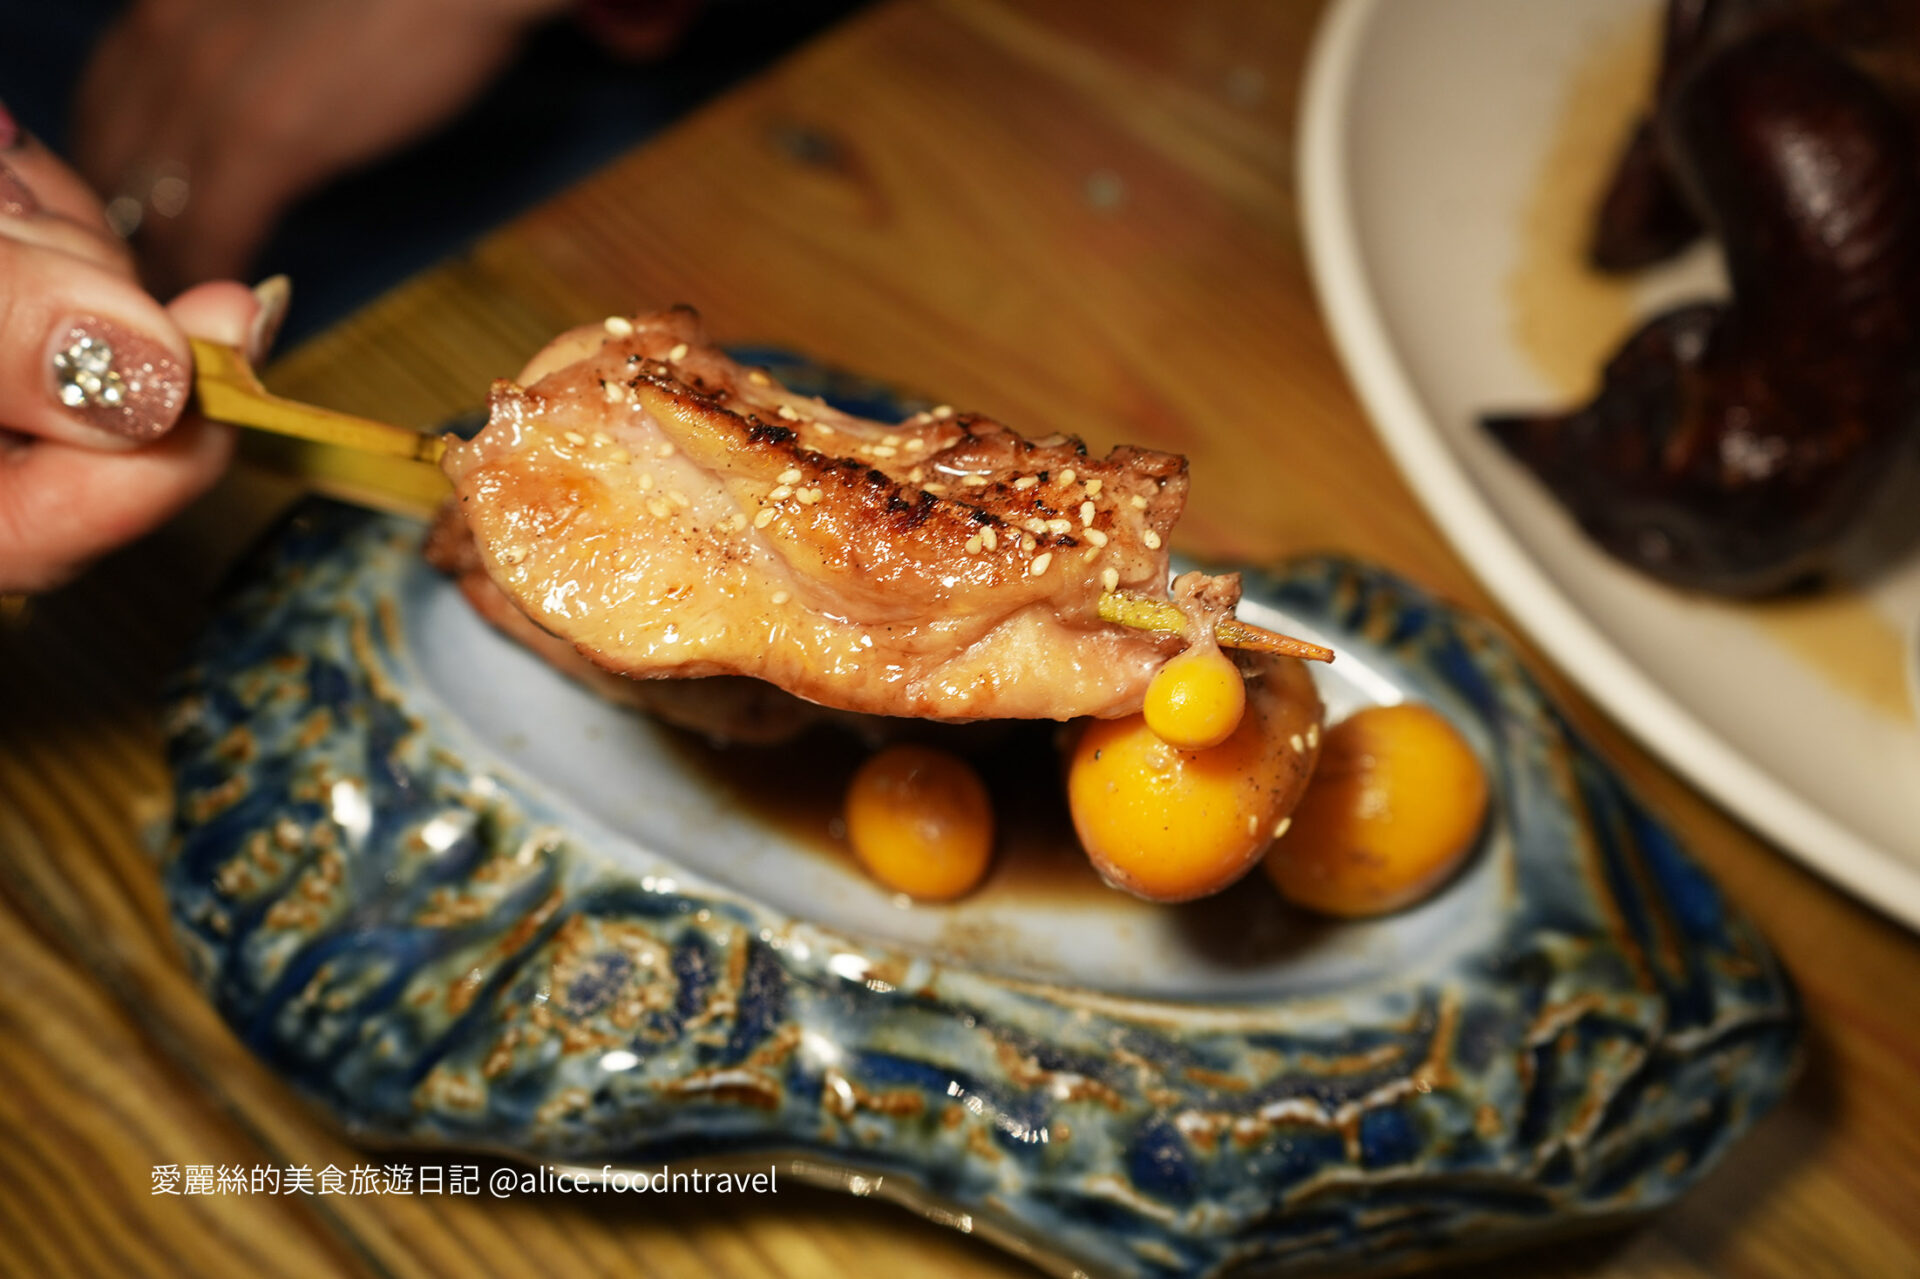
(1074, 214)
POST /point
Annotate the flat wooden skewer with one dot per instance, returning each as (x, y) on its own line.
(367, 462)
(376, 464)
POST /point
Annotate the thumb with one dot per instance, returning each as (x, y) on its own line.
(231, 313)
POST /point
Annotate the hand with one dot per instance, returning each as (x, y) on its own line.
(243, 107)
(94, 375)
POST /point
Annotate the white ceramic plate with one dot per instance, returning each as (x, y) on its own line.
(1428, 129)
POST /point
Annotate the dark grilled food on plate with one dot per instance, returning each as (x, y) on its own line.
(1734, 446)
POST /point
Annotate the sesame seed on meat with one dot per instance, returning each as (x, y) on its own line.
(844, 526)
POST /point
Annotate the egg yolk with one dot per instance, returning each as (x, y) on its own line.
(920, 821)
(1171, 824)
(1196, 700)
(1393, 810)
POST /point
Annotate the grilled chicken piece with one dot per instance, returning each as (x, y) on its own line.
(672, 514)
(746, 712)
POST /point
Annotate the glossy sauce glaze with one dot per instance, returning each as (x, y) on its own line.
(799, 791)
(670, 513)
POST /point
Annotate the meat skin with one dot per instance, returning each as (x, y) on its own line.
(670, 514)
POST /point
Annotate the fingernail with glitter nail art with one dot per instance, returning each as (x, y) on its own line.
(115, 379)
(274, 293)
(16, 197)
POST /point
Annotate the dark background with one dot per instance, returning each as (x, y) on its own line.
(563, 109)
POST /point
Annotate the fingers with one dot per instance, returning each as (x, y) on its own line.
(94, 375)
(143, 72)
(63, 235)
(62, 505)
(163, 92)
(57, 189)
(86, 357)
(217, 235)
(234, 314)
(46, 203)
(256, 104)
(152, 98)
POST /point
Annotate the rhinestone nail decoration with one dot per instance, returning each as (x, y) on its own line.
(86, 374)
(117, 379)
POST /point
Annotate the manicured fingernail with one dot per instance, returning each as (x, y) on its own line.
(11, 134)
(274, 293)
(112, 378)
(16, 197)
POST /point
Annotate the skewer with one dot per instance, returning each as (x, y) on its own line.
(1157, 615)
(228, 390)
(370, 462)
(392, 466)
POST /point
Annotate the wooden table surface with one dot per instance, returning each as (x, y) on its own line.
(1072, 212)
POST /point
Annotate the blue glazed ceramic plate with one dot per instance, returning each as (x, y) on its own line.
(464, 904)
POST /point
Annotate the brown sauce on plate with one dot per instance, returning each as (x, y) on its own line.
(799, 790)
(1568, 317)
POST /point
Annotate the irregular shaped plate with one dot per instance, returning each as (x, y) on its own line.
(463, 904)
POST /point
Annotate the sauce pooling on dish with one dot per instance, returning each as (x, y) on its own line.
(1566, 316)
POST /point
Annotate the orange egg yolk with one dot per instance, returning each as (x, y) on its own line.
(920, 821)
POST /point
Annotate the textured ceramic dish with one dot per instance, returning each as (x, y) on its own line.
(1426, 127)
(463, 904)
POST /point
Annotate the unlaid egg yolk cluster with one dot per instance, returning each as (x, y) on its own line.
(1196, 700)
(920, 821)
(1180, 800)
(1394, 808)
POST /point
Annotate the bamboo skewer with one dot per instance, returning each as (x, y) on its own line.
(372, 463)
(228, 390)
(389, 466)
